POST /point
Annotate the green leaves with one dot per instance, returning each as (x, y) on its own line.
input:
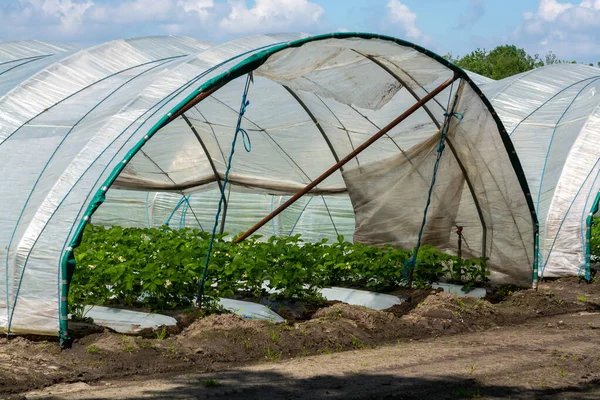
(160, 268)
(595, 241)
(501, 62)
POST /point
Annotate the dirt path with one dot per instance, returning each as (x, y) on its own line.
(553, 357)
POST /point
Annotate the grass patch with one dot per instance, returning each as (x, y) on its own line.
(130, 348)
(273, 356)
(162, 334)
(208, 383)
(356, 343)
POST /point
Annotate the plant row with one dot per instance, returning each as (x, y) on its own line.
(160, 268)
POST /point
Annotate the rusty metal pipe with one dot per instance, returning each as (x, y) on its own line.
(349, 157)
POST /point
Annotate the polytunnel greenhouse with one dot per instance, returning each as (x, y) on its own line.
(142, 130)
(552, 115)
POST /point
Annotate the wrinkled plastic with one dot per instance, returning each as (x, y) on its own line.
(458, 291)
(375, 301)
(552, 115)
(250, 310)
(65, 129)
(127, 321)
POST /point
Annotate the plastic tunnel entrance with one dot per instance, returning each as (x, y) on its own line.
(312, 102)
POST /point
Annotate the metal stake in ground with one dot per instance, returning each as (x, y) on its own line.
(349, 157)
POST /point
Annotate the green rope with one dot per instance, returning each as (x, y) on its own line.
(248, 147)
(410, 264)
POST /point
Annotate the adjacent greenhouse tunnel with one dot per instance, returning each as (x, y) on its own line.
(552, 115)
(158, 115)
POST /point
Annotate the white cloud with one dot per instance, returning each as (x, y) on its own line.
(202, 7)
(270, 15)
(569, 29)
(69, 12)
(549, 10)
(133, 11)
(400, 17)
(400, 13)
(93, 21)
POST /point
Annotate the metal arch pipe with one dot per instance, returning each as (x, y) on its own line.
(213, 167)
(314, 120)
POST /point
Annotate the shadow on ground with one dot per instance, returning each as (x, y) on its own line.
(274, 386)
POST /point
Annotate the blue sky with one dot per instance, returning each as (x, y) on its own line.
(569, 28)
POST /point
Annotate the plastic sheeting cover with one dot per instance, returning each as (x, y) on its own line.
(457, 290)
(68, 127)
(375, 301)
(250, 310)
(553, 117)
(127, 321)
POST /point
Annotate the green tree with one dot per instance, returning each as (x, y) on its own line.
(499, 63)
(551, 58)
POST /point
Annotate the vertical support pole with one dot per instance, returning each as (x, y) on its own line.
(459, 230)
(536, 257)
(588, 237)
(588, 246)
(224, 217)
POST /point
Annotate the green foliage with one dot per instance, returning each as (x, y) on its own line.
(93, 349)
(504, 61)
(505, 291)
(432, 265)
(162, 334)
(499, 63)
(78, 313)
(551, 58)
(595, 241)
(207, 383)
(272, 355)
(160, 268)
(129, 348)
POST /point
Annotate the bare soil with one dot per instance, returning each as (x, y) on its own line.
(421, 346)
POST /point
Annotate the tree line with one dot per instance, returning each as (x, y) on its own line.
(504, 61)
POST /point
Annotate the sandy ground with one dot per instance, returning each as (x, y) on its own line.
(533, 345)
(554, 357)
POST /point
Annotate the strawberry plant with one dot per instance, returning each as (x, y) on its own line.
(595, 241)
(160, 268)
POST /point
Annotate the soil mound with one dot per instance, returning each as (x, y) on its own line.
(226, 337)
(529, 303)
(446, 313)
(224, 322)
